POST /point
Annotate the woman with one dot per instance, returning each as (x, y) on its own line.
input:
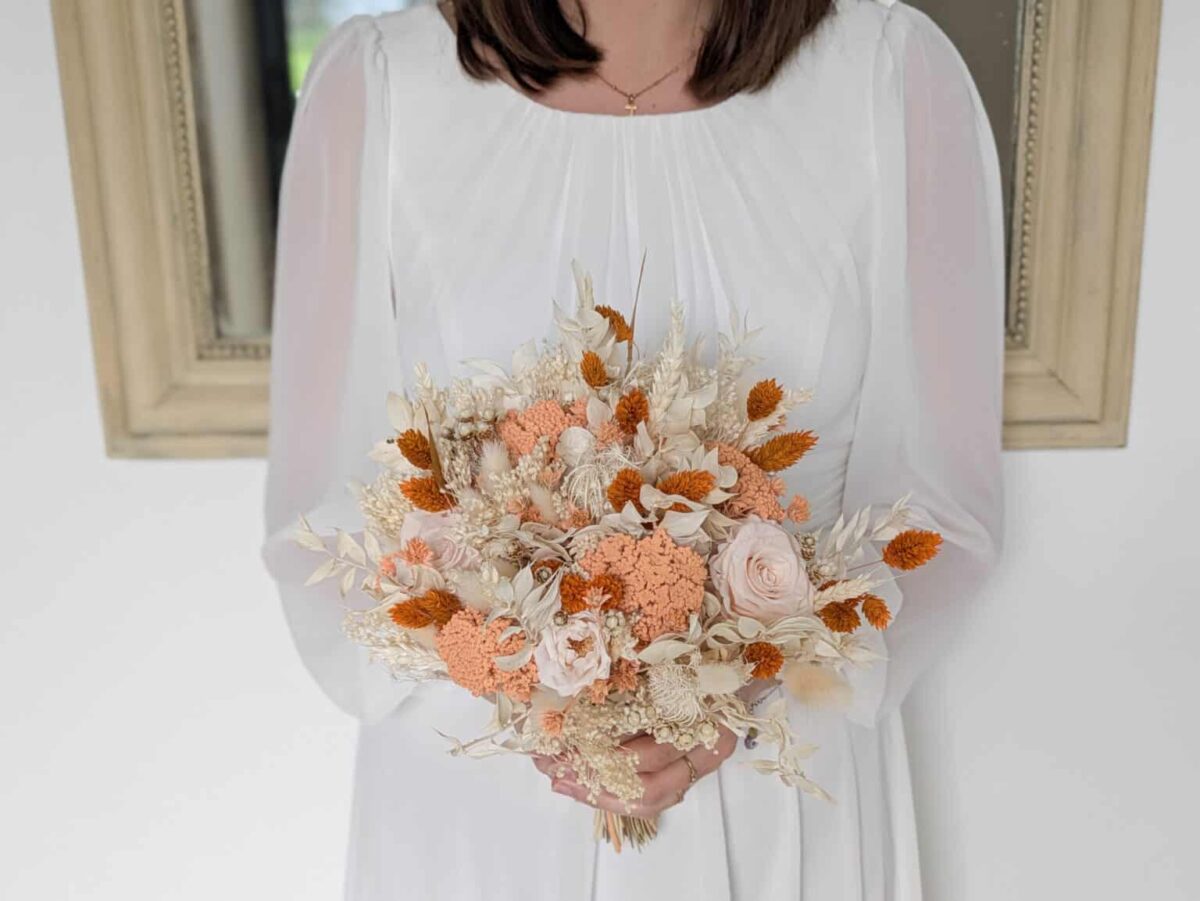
(823, 166)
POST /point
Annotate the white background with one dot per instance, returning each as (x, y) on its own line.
(159, 739)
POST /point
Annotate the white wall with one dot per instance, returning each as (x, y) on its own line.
(158, 737)
(1057, 751)
(159, 740)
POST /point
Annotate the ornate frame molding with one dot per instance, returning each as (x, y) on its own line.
(1083, 153)
(171, 386)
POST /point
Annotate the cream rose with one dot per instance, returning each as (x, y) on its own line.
(571, 657)
(760, 575)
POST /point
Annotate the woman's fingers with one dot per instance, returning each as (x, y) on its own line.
(651, 756)
(662, 788)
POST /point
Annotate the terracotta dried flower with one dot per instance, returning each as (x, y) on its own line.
(840, 616)
(632, 408)
(619, 326)
(782, 451)
(694, 484)
(424, 494)
(767, 659)
(410, 615)
(572, 591)
(435, 607)
(626, 487)
(912, 548)
(763, 399)
(876, 611)
(594, 372)
(415, 448)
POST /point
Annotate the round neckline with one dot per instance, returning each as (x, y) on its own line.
(501, 86)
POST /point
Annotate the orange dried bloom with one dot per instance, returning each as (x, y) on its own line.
(840, 616)
(782, 451)
(572, 592)
(912, 548)
(594, 372)
(694, 484)
(440, 605)
(632, 408)
(424, 494)
(875, 609)
(598, 691)
(763, 399)
(415, 448)
(619, 325)
(626, 487)
(767, 659)
(435, 607)
(470, 648)
(662, 581)
(610, 588)
(410, 615)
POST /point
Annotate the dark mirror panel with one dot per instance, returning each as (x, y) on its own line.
(988, 35)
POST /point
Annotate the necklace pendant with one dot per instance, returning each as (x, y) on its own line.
(630, 104)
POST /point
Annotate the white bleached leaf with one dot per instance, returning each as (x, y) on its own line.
(348, 549)
(347, 581)
(323, 572)
(400, 412)
(665, 650)
(720, 678)
(307, 538)
(371, 544)
(574, 445)
(511, 662)
(749, 628)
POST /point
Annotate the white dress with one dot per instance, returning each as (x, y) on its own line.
(852, 209)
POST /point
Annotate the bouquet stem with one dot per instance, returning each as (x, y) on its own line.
(616, 829)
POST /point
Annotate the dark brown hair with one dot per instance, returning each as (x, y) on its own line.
(746, 43)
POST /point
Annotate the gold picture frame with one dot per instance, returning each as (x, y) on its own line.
(171, 386)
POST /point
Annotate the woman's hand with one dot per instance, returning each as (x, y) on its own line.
(666, 773)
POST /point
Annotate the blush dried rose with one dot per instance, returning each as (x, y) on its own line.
(759, 574)
(573, 656)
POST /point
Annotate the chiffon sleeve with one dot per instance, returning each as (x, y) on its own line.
(930, 416)
(333, 346)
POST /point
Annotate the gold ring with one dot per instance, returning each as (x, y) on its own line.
(692, 774)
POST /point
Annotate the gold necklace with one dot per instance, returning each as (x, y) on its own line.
(631, 97)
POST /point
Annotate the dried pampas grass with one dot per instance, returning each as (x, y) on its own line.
(816, 686)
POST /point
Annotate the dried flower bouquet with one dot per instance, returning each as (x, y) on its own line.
(600, 544)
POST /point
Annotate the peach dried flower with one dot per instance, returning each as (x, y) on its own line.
(756, 493)
(663, 582)
(469, 649)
